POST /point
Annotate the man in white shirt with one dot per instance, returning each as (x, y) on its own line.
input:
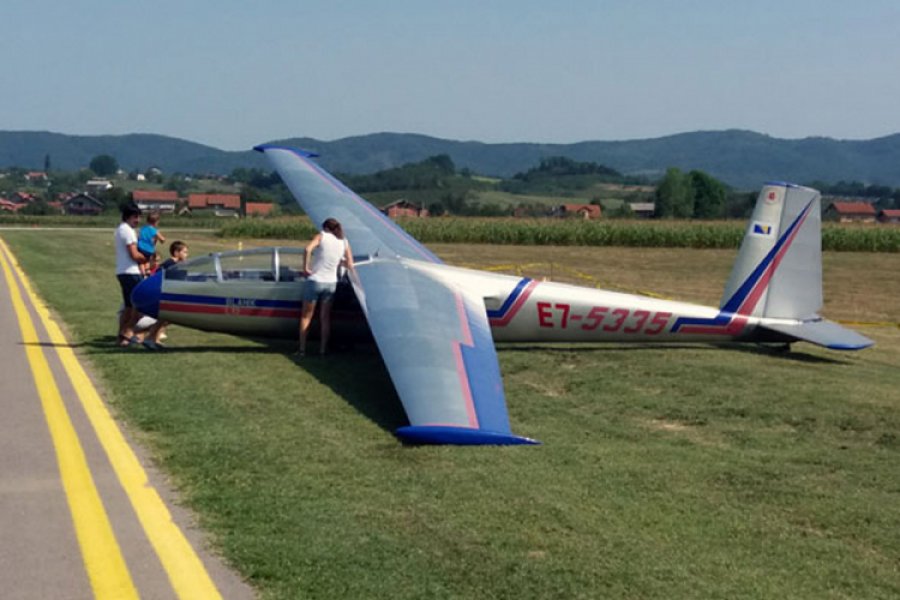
(127, 270)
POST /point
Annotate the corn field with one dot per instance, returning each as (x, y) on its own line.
(565, 232)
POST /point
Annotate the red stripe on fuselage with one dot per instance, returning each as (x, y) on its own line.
(243, 311)
(733, 327)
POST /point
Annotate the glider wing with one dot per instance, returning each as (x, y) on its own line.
(434, 337)
(322, 196)
(436, 342)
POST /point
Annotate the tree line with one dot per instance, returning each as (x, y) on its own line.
(437, 184)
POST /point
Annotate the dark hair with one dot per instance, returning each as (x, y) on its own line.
(130, 210)
(334, 227)
(176, 247)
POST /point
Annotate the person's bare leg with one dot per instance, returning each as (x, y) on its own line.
(325, 318)
(129, 319)
(123, 321)
(306, 316)
(160, 331)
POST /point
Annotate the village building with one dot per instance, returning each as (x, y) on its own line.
(889, 215)
(9, 206)
(404, 208)
(81, 204)
(22, 198)
(163, 201)
(220, 205)
(851, 212)
(642, 210)
(258, 209)
(96, 186)
(580, 211)
(35, 176)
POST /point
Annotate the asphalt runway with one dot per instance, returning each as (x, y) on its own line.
(83, 513)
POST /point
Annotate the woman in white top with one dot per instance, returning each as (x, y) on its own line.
(331, 249)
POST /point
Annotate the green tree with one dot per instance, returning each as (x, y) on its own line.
(674, 196)
(178, 184)
(114, 199)
(104, 165)
(38, 207)
(710, 195)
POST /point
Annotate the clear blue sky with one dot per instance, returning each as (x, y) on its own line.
(232, 73)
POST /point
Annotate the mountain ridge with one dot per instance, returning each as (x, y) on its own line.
(741, 158)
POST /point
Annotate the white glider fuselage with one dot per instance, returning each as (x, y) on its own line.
(528, 310)
(519, 309)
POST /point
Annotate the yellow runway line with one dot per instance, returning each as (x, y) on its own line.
(186, 572)
(106, 568)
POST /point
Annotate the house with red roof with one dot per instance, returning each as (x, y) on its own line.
(889, 215)
(34, 176)
(258, 209)
(22, 198)
(9, 206)
(221, 205)
(404, 208)
(164, 201)
(851, 212)
(581, 211)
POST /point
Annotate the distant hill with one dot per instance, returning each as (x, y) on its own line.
(743, 159)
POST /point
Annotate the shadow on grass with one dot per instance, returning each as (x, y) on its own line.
(355, 373)
(359, 376)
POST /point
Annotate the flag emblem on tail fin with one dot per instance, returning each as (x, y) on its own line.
(761, 228)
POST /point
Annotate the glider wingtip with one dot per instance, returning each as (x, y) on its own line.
(459, 436)
(305, 153)
(851, 347)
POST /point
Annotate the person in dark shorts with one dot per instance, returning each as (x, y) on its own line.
(328, 250)
(128, 270)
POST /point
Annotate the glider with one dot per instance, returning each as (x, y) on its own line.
(435, 325)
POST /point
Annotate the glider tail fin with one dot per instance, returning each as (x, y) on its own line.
(778, 271)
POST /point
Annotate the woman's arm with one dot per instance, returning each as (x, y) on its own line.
(348, 255)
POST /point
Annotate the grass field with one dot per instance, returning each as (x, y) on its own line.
(689, 472)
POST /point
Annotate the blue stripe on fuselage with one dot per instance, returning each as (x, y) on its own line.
(510, 300)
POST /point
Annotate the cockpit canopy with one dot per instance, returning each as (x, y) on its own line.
(257, 264)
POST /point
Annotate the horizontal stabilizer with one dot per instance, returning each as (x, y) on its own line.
(823, 333)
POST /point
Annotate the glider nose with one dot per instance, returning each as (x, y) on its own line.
(145, 296)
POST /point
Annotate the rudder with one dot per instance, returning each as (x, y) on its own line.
(778, 271)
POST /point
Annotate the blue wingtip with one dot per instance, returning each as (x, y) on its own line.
(459, 436)
(300, 151)
(851, 347)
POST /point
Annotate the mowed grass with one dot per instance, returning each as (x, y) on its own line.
(688, 472)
